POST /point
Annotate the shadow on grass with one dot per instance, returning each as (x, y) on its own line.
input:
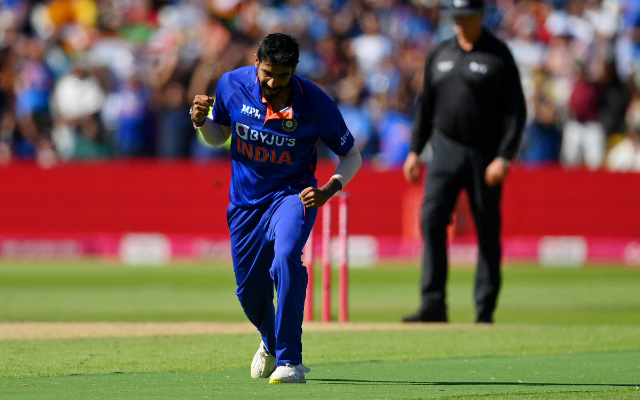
(418, 383)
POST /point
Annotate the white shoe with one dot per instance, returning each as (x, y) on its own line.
(263, 363)
(289, 374)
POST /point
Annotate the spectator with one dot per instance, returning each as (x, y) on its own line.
(528, 53)
(372, 47)
(356, 115)
(192, 41)
(394, 132)
(542, 136)
(77, 96)
(583, 135)
(33, 86)
(174, 127)
(134, 131)
(560, 60)
(615, 98)
(625, 154)
(90, 144)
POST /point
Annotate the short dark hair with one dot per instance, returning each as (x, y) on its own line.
(279, 49)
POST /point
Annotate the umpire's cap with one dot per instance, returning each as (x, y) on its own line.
(464, 8)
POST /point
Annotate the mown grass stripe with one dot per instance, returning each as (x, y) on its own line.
(578, 376)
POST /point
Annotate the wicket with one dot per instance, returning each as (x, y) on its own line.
(343, 283)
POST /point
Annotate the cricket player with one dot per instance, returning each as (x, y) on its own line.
(274, 118)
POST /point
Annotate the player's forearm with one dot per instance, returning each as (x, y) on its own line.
(213, 133)
(348, 166)
(331, 188)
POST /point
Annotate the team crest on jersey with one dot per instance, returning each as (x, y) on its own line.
(289, 125)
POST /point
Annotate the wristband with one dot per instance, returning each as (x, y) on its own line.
(505, 162)
(199, 122)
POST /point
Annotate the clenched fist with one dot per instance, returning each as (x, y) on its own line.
(200, 108)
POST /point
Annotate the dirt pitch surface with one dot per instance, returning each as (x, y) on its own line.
(70, 330)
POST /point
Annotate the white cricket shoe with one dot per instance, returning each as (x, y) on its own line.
(263, 363)
(289, 374)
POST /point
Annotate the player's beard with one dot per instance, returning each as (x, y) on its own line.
(270, 92)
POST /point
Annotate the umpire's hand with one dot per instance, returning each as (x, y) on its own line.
(411, 167)
(495, 172)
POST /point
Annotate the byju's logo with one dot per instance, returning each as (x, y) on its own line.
(250, 111)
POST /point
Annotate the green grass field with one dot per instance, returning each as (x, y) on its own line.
(559, 334)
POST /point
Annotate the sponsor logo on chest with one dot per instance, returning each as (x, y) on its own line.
(478, 68)
(474, 66)
(263, 146)
(445, 66)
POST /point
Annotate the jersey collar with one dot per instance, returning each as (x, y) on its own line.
(298, 100)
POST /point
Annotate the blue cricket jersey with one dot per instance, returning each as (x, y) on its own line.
(274, 152)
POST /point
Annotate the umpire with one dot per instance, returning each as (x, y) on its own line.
(472, 110)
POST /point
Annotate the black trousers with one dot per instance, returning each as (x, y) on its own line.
(455, 166)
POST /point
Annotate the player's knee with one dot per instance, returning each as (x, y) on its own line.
(288, 251)
(255, 307)
(288, 263)
(434, 222)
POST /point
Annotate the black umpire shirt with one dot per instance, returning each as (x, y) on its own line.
(473, 97)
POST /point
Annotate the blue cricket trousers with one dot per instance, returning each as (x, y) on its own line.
(266, 246)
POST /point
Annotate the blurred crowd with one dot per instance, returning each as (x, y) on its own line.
(87, 79)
